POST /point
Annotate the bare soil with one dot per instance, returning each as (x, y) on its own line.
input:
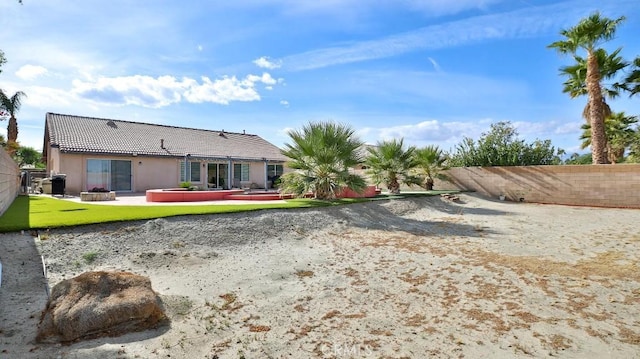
(411, 278)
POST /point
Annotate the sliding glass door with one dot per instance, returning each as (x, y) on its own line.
(110, 175)
(121, 175)
(98, 175)
(217, 175)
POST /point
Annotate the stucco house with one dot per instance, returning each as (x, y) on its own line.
(126, 156)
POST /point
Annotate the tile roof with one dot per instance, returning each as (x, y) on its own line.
(78, 134)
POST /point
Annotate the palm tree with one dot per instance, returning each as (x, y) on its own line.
(390, 163)
(632, 82)
(11, 105)
(323, 154)
(431, 162)
(28, 156)
(608, 65)
(587, 35)
(619, 134)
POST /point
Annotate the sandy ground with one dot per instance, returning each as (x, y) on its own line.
(412, 278)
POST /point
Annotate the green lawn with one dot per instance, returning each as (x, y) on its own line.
(39, 212)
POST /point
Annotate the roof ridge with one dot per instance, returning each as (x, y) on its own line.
(152, 124)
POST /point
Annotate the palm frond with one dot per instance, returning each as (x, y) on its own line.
(323, 153)
(390, 163)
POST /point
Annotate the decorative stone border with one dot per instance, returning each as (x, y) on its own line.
(97, 196)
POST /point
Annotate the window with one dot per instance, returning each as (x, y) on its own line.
(193, 172)
(274, 171)
(273, 174)
(241, 172)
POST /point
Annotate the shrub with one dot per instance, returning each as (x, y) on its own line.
(502, 147)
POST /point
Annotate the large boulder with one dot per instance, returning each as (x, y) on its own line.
(97, 304)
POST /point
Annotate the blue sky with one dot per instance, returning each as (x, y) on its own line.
(429, 71)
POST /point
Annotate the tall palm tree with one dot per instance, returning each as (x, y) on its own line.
(619, 134)
(587, 35)
(323, 154)
(608, 64)
(390, 163)
(430, 163)
(11, 105)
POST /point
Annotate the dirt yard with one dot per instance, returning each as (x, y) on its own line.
(412, 278)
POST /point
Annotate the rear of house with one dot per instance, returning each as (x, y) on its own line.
(124, 156)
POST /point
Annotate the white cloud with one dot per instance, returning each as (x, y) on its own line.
(447, 134)
(223, 91)
(133, 90)
(30, 72)
(265, 62)
(265, 78)
(284, 133)
(430, 130)
(525, 128)
(569, 127)
(546, 129)
(48, 98)
(436, 66)
(162, 91)
(284, 103)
